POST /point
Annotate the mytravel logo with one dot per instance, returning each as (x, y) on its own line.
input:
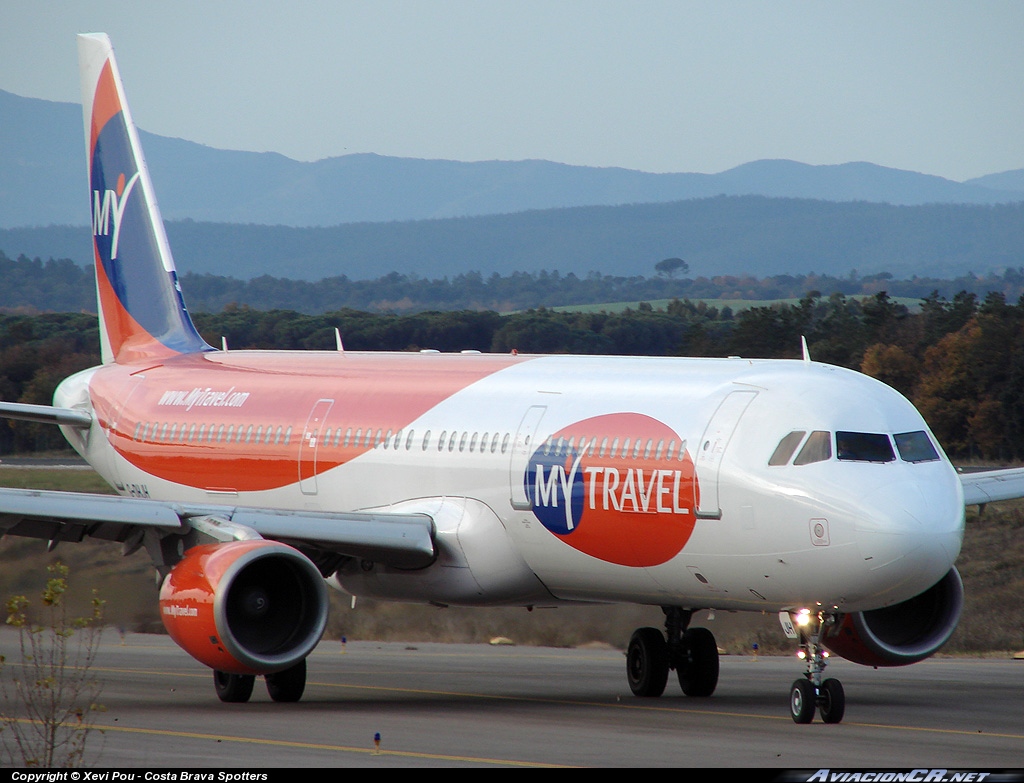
(618, 487)
(108, 211)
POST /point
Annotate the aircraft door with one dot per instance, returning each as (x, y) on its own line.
(711, 449)
(116, 427)
(522, 448)
(310, 444)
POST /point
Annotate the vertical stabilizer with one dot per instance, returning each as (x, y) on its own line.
(142, 313)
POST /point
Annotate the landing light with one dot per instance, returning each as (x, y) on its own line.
(803, 617)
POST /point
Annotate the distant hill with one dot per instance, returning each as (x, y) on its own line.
(716, 236)
(42, 181)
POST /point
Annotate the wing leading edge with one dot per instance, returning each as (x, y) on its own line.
(398, 540)
(990, 486)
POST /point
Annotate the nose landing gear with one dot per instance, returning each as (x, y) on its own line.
(811, 693)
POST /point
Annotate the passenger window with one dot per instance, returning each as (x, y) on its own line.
(462, 441)
(504, 443)
(426, 440)
(440, 441)
(786, 448)
(864, 447)
(915, 447)
(818, 448)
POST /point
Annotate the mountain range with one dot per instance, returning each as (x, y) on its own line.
(42, 181)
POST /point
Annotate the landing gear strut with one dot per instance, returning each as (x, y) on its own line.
(811, 692)
(692, 652)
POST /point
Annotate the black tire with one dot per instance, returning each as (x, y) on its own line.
(287, 685)
(697, 668)
(832, 704)
(647, 663)
(233, 688)
(802, 700)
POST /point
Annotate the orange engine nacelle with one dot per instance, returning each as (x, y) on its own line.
(902, 634)
(245, 607)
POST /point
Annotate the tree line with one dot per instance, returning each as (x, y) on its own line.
(61, 285)
(959, 359)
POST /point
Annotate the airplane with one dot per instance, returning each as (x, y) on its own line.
(256, 479)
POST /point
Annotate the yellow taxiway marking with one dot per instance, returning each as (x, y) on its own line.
(643, 705)
(328, 747)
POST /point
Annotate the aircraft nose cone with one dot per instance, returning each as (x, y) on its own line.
(913, 527)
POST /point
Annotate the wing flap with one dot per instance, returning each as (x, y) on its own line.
(989, 486)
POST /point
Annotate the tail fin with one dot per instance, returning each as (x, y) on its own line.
(142, 313)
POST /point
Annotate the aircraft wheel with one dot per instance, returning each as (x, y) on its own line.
(832, 702)
(289, 684)
(233, 688)
(802, 701)
(698, 669)
(647, 662)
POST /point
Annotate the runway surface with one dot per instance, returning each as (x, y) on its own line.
(502, 706)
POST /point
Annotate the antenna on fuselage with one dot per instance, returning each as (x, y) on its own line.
(337, 340)
(224, 344)
(807, 353)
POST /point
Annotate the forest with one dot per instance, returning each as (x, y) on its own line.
(61, 285)
(959, 359)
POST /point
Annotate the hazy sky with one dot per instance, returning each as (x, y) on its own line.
(654, 85)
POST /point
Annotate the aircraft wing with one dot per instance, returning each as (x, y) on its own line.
(989, 486)
(400, 540)
(45, 414)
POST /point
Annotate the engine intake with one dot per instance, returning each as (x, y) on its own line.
(904, 633)
(245, 607)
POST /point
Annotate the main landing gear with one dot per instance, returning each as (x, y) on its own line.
(284, 686)
(811, 692)
(692, 652)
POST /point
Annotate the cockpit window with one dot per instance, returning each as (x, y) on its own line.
(818, 448)
(915, 447)
(786, 447)
(864, 447)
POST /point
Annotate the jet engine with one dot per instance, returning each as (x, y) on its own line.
(245, 607)
(904, 633)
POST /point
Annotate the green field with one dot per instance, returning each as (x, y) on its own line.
(736, 305)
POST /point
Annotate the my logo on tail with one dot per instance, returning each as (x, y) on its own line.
(110, 209)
